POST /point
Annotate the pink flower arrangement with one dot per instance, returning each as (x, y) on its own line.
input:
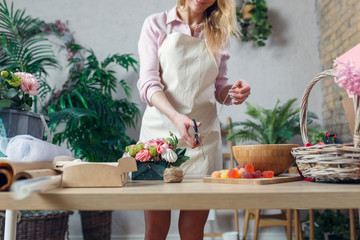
(156, 150)
(347, 76)
(15, 89)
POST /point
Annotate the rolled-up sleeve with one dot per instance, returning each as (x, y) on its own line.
(222, 78)
(148, 46)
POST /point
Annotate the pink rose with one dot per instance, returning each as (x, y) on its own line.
(143, 156)
(151, 143)
(29, 83)
(160, 149)
(159, 141)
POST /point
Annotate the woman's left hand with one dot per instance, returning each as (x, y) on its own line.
(239, 92)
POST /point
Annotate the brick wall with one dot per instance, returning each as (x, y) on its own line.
(339, 26)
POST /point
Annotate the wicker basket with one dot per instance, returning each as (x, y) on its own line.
(331, 162)
(52, 226)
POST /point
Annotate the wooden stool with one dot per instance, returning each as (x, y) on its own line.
(282, 219)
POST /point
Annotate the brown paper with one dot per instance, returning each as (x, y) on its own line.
(29, 174)
(86, 174)
(349, 110)
(10, 169)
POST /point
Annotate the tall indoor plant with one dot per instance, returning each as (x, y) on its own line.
(88, 117)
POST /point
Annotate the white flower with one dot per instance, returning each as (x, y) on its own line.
(169, 155)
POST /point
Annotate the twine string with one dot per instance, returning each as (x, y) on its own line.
(202, 142)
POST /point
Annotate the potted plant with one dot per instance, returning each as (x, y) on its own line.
(272, 129)
(25, 57)
(86, 116)
(253, 20)
(23, 48)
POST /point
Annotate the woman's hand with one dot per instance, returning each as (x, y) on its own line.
(239, 92)
(182, 123)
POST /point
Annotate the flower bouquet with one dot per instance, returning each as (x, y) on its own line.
(154, 156)
(348, 77)
(16, 88)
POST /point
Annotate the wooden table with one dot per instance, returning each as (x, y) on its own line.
(192, 194)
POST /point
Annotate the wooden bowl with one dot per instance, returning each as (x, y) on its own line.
(275, 157)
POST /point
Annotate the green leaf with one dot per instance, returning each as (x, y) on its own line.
(5, 103)
(12, 92)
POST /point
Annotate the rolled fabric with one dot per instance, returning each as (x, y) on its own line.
(26, 148)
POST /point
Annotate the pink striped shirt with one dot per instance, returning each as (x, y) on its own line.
(152, 35)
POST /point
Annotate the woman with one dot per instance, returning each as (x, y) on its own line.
(183, 57)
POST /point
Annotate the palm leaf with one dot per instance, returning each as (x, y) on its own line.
(22, 43)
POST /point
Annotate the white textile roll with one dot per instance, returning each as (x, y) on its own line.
(26, 148)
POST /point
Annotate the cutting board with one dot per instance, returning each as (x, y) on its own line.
(255, 181)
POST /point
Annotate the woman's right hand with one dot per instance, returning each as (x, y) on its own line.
(182, 123)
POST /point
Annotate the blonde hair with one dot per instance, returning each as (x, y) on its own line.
(220, 23)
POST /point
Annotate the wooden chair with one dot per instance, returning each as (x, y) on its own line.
(284, 218)
(230, 156)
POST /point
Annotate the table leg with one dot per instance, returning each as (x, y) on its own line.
(352, 224)
(312, 227)
(10, 225)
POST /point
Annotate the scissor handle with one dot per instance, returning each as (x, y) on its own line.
(196, 132)
(195, 126)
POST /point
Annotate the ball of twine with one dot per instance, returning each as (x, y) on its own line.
(173, 175)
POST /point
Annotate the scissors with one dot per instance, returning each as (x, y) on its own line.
(198, 141)
(196, 132)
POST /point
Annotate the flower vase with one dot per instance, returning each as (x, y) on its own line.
(19, 122)
(149, 170)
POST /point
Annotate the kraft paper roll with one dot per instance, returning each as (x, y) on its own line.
(30, 174)
(10, 169)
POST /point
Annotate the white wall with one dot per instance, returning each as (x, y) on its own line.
(281, 70)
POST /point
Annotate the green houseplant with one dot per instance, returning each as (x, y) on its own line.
(270, 126)
(23, 48)
(253, 21)
(87, 117)
(94, 122)
(329, 224)
(272, 129)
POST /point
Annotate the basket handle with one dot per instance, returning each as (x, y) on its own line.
(304, 103)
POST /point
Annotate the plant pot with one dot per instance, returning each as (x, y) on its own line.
(149, 171)
(96, 225)
(245, 11)
(275, 157)
(19, 122)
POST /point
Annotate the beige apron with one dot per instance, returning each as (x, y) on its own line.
(188, 72)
